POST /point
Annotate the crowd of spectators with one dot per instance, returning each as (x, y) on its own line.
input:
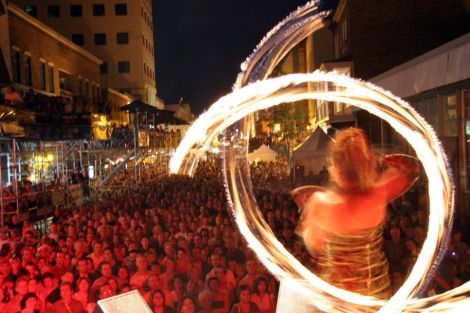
(176, 242)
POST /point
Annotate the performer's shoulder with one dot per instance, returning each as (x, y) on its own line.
(302, 194)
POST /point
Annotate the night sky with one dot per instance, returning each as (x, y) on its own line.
(200, 44)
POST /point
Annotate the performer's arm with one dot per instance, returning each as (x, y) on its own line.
(401, 172)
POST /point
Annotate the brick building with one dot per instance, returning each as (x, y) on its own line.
(118, 32)
(46, 61)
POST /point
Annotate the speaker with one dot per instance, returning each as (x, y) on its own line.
(128, 302)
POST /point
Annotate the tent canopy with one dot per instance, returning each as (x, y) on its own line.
(263, 153)
(312, 153)
(139, 106)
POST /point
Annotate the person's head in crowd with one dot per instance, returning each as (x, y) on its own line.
(178, 283)
(67, 277)
(82, 267)
(5, 267)
(21, 287)
(123, 273)
(213, 284)
(132, 255)
(145, 244)
(82, 285)
(119, 252)
(113, 283)
(157, 300)
(47, 280)
(395, 234)
(33, 285)
(141, 263)
(98, 248)
(244, 294)
(187, 305)
(54, 228)
(60, 259)
(420, 234)
(106, 269)
(260, 285)
(169, 250)
(125, 288)
(251, 267)
(396, 281)
(27, 254)
(15, 265)
(108, 255)
(90, 265)
(215, 260)
(66, 291)
(170, 265)
(23, 273)
(204, 299)
(29, 302)
(105, 291)
(152, 282)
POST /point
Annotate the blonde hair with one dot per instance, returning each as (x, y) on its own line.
(353, 158)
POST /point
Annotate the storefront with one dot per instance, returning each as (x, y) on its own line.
(437, 84)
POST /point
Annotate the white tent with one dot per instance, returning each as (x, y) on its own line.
(263, 153)
(311, 154)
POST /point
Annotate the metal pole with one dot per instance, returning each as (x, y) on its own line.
(136, 134)
(15, 172)
(57, 167)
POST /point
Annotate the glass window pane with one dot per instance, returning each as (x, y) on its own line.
(121, 9)
(78, 39)
(100, 39)
(53, 11)
(124, 67)
(450, 115)
(98, 10)
(122, 38)
(76, 10)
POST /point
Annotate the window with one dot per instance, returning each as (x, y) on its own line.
(143, 40)
(27, 70)
(122, 38)
(42, 76)
(16, 65)
(100, 39)
(53, 11)
(31, 10)
(104, 68)
(78, 39)
(450, 115)
(124, 67)
(51, 79)
(145, 68)
(98, 10)
(76, 10)
(121, 9)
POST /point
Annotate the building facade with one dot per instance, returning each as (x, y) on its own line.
(45, 61)
(117, 31)
(437, 84)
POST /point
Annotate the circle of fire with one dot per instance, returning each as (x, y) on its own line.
(231, 113)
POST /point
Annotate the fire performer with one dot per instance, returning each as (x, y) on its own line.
(342, 225)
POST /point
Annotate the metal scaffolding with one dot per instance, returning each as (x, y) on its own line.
(52, 163)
